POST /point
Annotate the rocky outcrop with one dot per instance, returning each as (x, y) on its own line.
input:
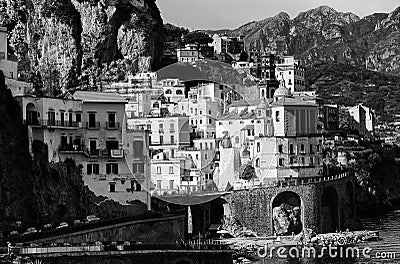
(71, 42)
(287, 220)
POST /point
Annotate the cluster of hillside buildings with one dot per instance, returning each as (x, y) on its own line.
(164, 137)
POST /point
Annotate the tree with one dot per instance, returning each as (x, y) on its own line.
(248, 173)
(198, 38)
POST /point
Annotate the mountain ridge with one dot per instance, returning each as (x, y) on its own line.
(323, 34)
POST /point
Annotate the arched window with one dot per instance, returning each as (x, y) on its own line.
(179, 92)
(236, 140)
(168, 91)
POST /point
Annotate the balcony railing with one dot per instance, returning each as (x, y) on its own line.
(52, 123)
(112, 125)
(93, 125)
(92, 152)
(117, 153)
(70, 148)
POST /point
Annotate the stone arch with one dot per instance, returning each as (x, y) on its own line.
(329, 210)
(287, 213)
(349, 200)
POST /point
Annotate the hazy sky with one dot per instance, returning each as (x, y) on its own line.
(220, 14)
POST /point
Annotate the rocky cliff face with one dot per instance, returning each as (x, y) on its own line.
(62, 44)
(325, 35)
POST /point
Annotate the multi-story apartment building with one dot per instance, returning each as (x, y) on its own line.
(290, 72)
(168, 133)
(174, 175)
(189, 53)
(88, 127)
(280, 140)
(225, 44)
(363, 120)
(174, 90)
(138, 93)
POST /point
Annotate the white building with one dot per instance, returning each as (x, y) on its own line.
(291, 73)
(364, 118)
(90, 128)
(189, 53)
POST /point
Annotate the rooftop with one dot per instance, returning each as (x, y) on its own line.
(298, 101)
(98, 97)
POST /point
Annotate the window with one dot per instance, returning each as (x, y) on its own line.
(135, 186)
(311, 161)
(161, 140)
(281, 162)
(137, 149)
(280, 148)
(210, 121)
(172, 126)
(171, 184)
(138, 167)
(191, 110)
(112, 186)
(179, 92)
(92, 168)
(159, 184)
(92, 119)
(201, 112)
(197, 156)
(112, 144)
(112, 168)
(158, 170)
(291, 160)
(62, 118)
(303, 160)
(318, 148)
(277, 118)
(211, 145)
(311, 148)
(302, 147)
(112, 120)
(258, 147)
(257, 162)
(291, 150)
(209, 112)
(236, 140)
(201, 121)
(201, 146)
(205, 156)
(52, 118)
(93, 147)
(171, 170)
(172, 139)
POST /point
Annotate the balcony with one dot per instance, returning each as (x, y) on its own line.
(92, 152)
(70, 148)
(117, 153)
(52, 123)
(112, 125)
(93, 125)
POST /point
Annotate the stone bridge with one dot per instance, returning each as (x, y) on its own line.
(327, 204)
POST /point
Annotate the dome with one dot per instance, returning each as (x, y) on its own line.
(282, 91)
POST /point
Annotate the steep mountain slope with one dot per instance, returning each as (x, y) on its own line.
(70, 42)
(326, 35)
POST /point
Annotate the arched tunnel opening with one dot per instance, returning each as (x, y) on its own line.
(349, 201)
(286, 214)
(329, 210)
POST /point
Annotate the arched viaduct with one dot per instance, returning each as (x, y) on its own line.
(326, 204)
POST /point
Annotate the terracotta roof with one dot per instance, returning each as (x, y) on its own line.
(98, 97)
